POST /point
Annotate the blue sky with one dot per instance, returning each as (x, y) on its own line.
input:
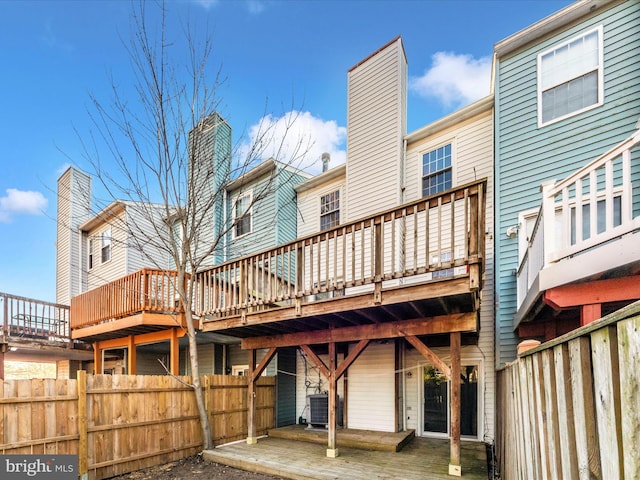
(276, 57)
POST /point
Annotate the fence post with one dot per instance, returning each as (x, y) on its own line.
(83, 444)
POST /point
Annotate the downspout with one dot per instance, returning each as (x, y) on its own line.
(224, 224)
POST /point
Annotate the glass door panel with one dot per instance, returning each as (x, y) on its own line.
(436, 401)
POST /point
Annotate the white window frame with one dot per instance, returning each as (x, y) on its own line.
(599, 69)
(237, 197)
(336, 190)
(90, 256)
(429, 149)
(106, 241)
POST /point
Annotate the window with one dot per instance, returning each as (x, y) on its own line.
(90, 253)
(242, 215)
(436, 170)
(570, 77)
(106, 246)
(330, 210)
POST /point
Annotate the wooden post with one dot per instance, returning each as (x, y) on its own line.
(251, 400)
(2, 347)
(131, 357)
(97, 359)
(83, 442)
(332, 449)
(174, 353)
(454, 459)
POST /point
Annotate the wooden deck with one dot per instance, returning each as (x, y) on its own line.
(363, 439)
(421, 458)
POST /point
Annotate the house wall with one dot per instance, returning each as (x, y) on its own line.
(376, 124)
(414, 385)
(142, 253)
(286, 209)
(309, 205)
(210, 150)
(116, 267)
(273, 216)
(371, 389)
(74, 208)
(528, 155)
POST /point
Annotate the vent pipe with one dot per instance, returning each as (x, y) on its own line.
(326, 158)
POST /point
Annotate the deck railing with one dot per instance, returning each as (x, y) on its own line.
(426, 240)
(145, 291)
(589, 208)
(33, 319)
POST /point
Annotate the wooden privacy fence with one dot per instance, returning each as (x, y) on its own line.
(570, 408)
(119, 423)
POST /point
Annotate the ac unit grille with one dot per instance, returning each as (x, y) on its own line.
(318, 410)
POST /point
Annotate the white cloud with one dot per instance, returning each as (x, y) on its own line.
(207, 4)
(454, 79)
(255, 6)
(17, 202)
(296, 138)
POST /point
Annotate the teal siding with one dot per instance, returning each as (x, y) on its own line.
(274, 219)
(287, 217)
(527, 156)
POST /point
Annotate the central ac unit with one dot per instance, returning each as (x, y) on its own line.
(318, 410)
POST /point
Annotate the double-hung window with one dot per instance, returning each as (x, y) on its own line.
(242, 215)
(436, 170)
(330, 210)
(105, 249)
(570, 77)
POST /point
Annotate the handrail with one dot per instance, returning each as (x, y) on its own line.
(147, 290)
(428, 237)
(35, 319)
(592, 206)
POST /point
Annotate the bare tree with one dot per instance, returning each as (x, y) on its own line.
(159, 161)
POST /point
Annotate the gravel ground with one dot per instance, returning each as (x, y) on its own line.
(192, 468)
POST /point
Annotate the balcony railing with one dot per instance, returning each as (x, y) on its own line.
(27, 318)
(145, 291)
(593, 206)
(431, 239)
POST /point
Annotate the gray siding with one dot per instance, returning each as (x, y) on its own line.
(527, 155)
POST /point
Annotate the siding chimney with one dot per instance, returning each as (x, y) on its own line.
(326, 158)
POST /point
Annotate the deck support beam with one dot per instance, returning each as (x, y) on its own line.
(254, 374)
(454, 458)
(131, 355)
(97, 359)
(332, 373)
(332, 449)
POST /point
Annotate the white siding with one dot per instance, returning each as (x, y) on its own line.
(116, 267)
(376, 122)
(309, 205)
(74, 208)
(143, 222)
(371, 389)
(472, 142)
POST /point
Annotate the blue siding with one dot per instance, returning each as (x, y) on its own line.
(527, 156)
(274, 219)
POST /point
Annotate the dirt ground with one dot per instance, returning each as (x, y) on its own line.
(193, 468)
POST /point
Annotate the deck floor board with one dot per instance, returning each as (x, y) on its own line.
(419, 459)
